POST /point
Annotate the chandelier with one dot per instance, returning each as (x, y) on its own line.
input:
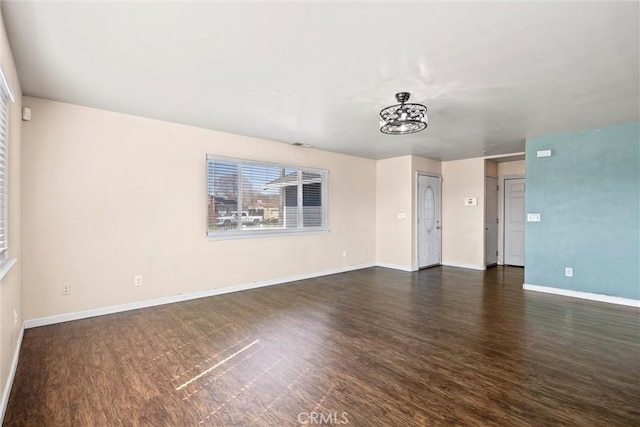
(403, 118)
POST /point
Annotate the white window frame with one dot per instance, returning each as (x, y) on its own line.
(242, 233)
(6, 95)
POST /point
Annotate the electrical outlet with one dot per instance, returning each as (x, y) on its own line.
(137, 280)
(568, 271)
(344, 254)
(66, 290)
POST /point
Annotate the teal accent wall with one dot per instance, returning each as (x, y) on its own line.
(588, 195)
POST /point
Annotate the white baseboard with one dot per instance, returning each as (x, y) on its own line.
(411, 270)
(85, 314)
(583, 295)
(395, 267)
(468, 266)
(11, 376)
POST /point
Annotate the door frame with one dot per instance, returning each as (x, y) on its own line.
(414, 225)
(497, 207)
(501, 209)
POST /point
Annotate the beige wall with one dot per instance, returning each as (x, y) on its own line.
(108, 196)
(511, 168)
(426, 166)
(10, 286)
(394, 198)
(396, 181)
(462, 226)
(490, 168)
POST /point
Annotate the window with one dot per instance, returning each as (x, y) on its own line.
(5, 96)
(248, 198)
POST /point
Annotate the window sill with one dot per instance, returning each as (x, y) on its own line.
(5, 266)
(264, 233)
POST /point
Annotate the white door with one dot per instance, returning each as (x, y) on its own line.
(491, 221)
(514, 217)
(429, 229)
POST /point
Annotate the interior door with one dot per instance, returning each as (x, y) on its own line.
(514, 221)
(429, 217)
(491, 221)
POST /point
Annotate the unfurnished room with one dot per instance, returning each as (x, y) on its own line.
(319, 213)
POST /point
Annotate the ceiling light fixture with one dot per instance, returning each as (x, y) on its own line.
(403, 118)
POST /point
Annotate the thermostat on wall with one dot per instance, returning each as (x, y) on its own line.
(471, 201)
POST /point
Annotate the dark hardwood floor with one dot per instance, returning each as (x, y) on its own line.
(375, 347)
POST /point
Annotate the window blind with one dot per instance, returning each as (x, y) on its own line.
(4, 163)
(5, 96)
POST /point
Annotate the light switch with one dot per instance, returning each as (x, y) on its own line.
(543, 153)
(26, 114)
(533, 217)
(401, 215)
(471, 201)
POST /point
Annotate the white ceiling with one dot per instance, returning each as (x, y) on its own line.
(491, 74)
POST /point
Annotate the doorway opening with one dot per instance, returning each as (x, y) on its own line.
(491, 221)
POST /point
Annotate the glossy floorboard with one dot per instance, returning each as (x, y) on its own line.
(375, 347)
